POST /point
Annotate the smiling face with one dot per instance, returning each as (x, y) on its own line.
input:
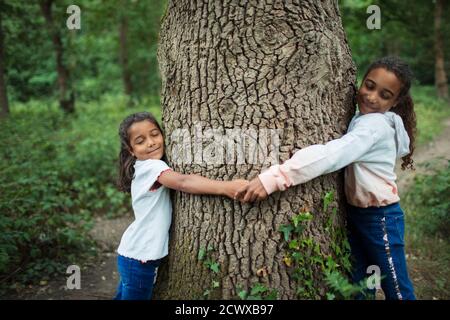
(379, 91)
(146, 140)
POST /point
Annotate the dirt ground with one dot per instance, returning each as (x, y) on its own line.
(437, 150)
(99, 279)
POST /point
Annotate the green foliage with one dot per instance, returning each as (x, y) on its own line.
(91, 54)
(30, 70)
(37, 223)
(430, 111)
(258, 292)
(286, 230)
(212, 265)
(304, 255)
(426, 206)
(206, 256)
(327, 200)
(407, 30)
(341, 288)
(56, 173)
(428, 203)
(201, 254)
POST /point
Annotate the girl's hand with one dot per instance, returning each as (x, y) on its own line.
(254, 191)
(231, 187)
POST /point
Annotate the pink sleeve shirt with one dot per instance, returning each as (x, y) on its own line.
(368, 150)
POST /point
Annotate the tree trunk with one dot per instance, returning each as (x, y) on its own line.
(126, 75)
(4, 107)
(66, 95)
(440, 75)
(239, 77)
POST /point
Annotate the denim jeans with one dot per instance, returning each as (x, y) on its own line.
(136, 278)
(376, 237)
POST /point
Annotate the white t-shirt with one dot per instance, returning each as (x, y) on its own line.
(147, 238)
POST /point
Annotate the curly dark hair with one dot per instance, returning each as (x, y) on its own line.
(126, 159)
(405, 105)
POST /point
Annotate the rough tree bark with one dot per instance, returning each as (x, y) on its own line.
(440, 75)
(245, 68)
(66, 95)
(4, 107)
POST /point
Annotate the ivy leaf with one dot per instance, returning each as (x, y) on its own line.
(330, 296)
(299, 229)
(317, 260)
(333, 212)
(298, 257)
(287, 261)
(214, 267)
(201, 254)
(242, 294)
(273, 295)
(294, 244)
(301, 217)
(300, 290)
(337, 250)
(306, 216)
(208, 262)
(296, 220)
(215, 284)
(331, 264)
(257, 289)
(327, 199)
(307, 242)
(286, 229)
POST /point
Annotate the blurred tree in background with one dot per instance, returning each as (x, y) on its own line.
(115, 49)
(407, 30)
(440, 73)
(4, 106)
(66, 94)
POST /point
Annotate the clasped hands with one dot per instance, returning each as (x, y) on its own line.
(251, 192)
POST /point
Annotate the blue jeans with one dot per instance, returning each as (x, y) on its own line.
(376, 237)
(136, 278)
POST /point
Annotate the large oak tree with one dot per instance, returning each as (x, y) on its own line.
(280, 72)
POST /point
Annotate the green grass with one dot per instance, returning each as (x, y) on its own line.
(430, 112)
(427, 207)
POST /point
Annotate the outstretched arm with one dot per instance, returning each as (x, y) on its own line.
(308, 163)
(195, 184)
(316, 160)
